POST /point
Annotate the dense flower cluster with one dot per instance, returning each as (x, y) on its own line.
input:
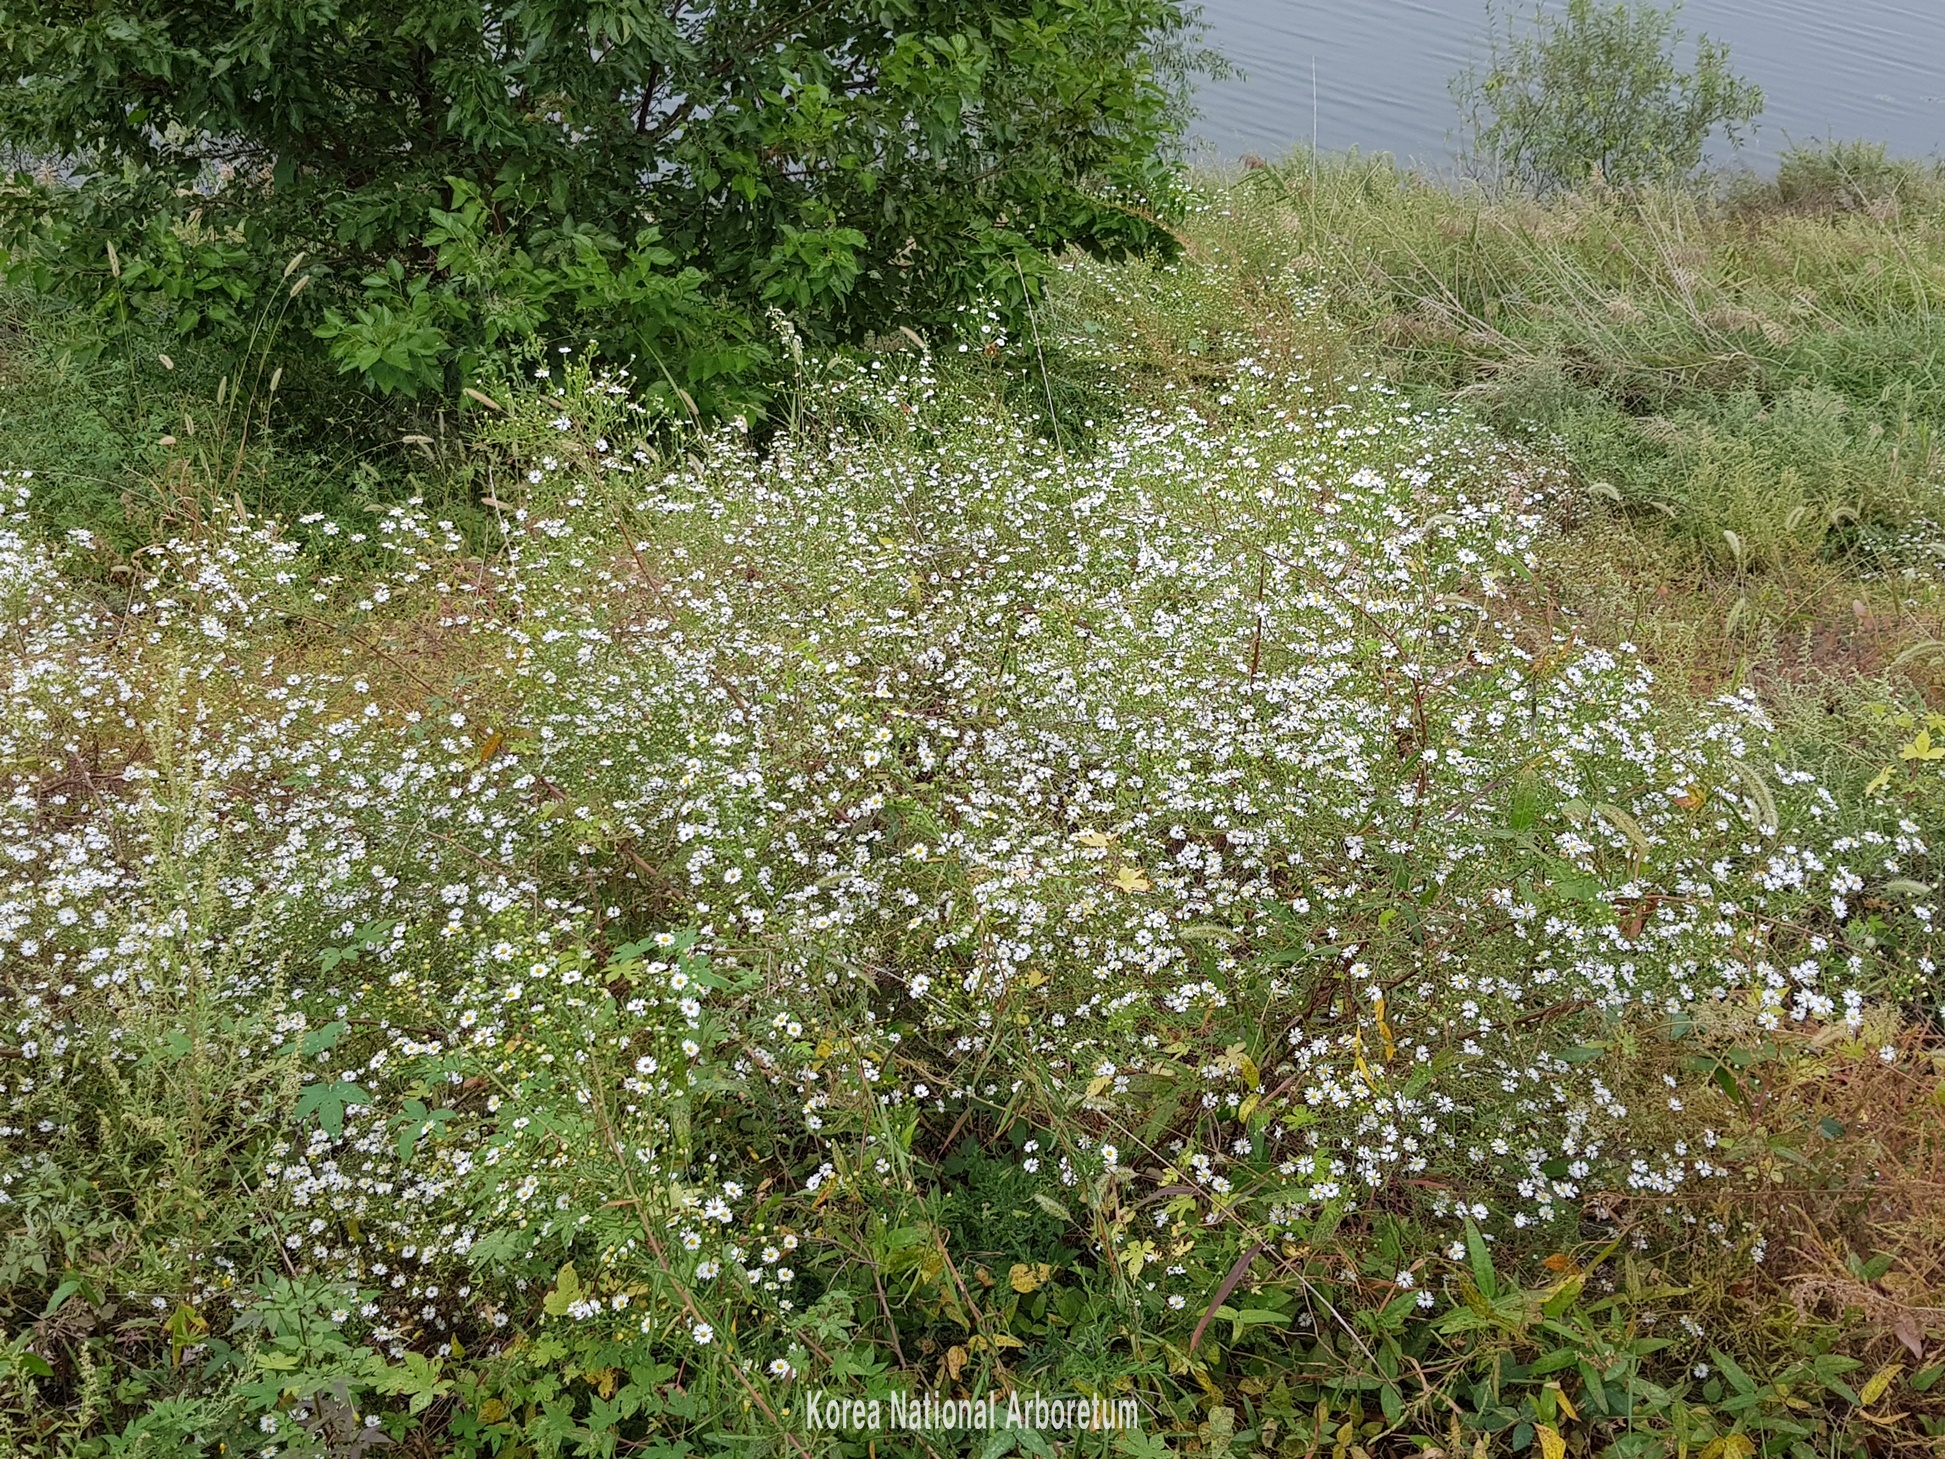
(1213, 817)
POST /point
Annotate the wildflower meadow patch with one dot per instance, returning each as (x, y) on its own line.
(1186, 929)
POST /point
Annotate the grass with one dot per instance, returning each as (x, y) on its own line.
(1337, 844)
(1748, 383)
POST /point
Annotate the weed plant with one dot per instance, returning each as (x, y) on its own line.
(918, 907)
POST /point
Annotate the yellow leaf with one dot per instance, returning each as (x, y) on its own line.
(1094, 838)
(1921, 748)
(1357, 1061)
(1130, 879)
(955, 1361)
(1566, 1406)
(1023, 1278)
(1248, 1107)
(492, 1411)
(1552, 1446)
(1881, 1380)
(1880, 780)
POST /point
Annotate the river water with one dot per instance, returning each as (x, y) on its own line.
(1852, 69)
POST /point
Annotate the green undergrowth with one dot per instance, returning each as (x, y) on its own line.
(140, 441)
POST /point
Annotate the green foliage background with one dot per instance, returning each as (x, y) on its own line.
(421, 184)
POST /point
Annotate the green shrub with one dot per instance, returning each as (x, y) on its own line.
(1596, 91)
(446, 179)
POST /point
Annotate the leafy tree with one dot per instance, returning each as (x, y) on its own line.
(1594, 90)
(650, 175)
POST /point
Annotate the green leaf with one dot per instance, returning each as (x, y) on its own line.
(327, 1100)
(1482, 1262)
(1553, 1362)
(566, 1292)
(1250, 1317)
(61, 1293)
(1567, 1293)
(1738, 1379)
(320, 1039)
(1135, 1443)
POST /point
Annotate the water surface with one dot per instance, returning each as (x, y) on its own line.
(1853, 69)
